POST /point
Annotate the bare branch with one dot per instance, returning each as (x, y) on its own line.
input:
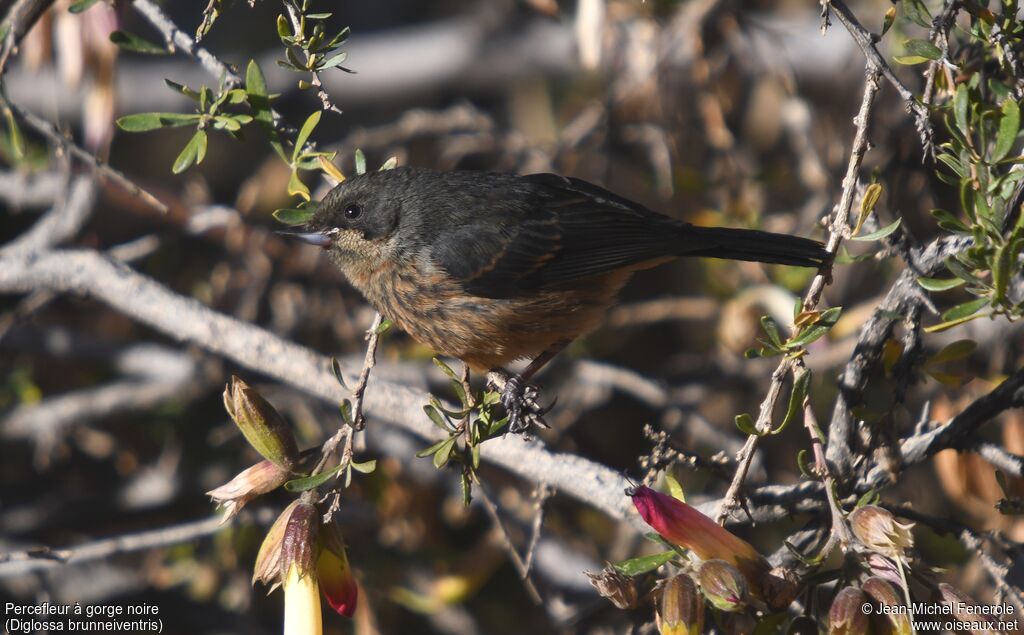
(838, 230)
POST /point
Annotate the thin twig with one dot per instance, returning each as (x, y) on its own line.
(838, 230)
(517, 560)
(22, 15)
(22, 562)
(62, 143)
(840, 528)
(345, 432)
(369, 361)
(867, 42)
(296, 19)
(176, 38)
(542, 493)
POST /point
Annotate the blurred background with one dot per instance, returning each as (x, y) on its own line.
(713, 111)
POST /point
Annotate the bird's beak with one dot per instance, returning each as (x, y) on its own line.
(312, 238)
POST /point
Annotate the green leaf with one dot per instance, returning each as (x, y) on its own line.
(922, 48)
(909, 60)
(952, 352)
(17, 140)
(812, 332)
(945, 326)
(136, 44)
(964, 310)
(339, 38)
(294, 215)
(802, 464)
(801, 385)
(336, 369)
(435, 415)
(771, 328)
(81, 5)
(961, 271)
(255, 83)
(360, 159)
(1009, 126)
(644, 564)
(1001, 269)
(191, 153)
(389, 164)
(445, 368)
(949, 222)
(283, 28)
(331, 62)
(746, 425)
(940, 284)
(365, 468)
(146, 121)
(675, 488)
(296, 187)
(183, 89)
(432, 449)
(259, 100)
(917, 12)
(881, 233)
(867, 204)
(444, 453)
(307, 483)
(960, 105)
(307, 129)
(867, 498)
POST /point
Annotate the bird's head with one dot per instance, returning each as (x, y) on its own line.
(356, 221)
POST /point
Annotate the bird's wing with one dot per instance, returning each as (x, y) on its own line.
(568, 230)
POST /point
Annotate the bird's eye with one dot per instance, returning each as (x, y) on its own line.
(352, 211)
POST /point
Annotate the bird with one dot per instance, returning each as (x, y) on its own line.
(490, 267)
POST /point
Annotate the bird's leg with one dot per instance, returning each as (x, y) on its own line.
(519, 397)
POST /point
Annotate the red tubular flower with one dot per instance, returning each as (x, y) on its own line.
(683, 525)
(336, 580)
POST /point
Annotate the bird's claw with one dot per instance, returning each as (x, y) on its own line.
(520, 401)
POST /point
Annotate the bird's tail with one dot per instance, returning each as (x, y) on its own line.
(754, 245)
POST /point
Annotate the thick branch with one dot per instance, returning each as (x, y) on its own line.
(89, 273)
(927, 261)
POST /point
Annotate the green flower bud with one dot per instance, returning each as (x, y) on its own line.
(262, 426)
(723, 585)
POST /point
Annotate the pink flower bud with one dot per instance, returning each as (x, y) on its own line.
(683, 525)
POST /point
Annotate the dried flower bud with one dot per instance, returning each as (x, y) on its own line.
(262, 426)
(681, 609)
(779, 587)
(723, 585)
(268, 560)
(879, 531)
(884, 567)
(618, 588)
(336, 579)
(683, 525)
(885, 593)
(847, 615)
(259, 479)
